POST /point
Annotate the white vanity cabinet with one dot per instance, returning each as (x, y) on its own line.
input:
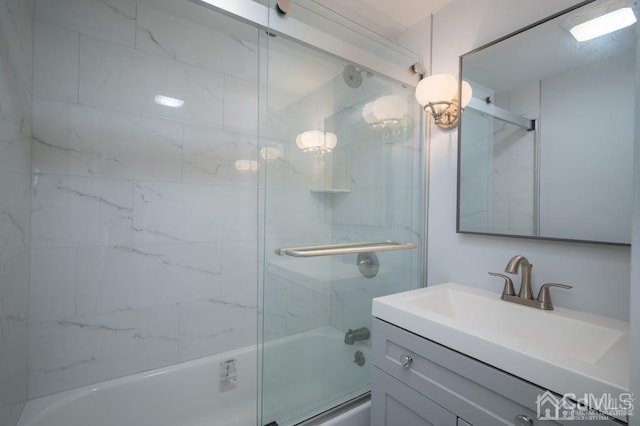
(419, 382)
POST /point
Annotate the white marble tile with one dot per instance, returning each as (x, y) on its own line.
(70, 353)
(240, 105)
(305, 172)
(14, 342)
(298, 216)
(13, 360)
(112, 20)
(52, 286)
(240, 285)
(68, 211)
(14, 217)
(192, 43)
(210, 156)
(123, 79)
(22, 14)
(362, 208)
(15, 117)
(16, 28)
(274, 306)
(356, 303)
(16, 31)
(15, 153)
(168, 212)
(14, 291)
(306, 309)
(10, 412)
(239, 255)
(213, 326)
(112, 278)
(55, 60)
(79, 140)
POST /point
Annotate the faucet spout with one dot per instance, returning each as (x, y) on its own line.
(352, 336)
(520, 262)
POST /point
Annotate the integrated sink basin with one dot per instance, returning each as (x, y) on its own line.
(528, 330)
(562, 350)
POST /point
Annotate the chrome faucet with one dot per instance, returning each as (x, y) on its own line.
(521, 262)
(356, 335)
(525, 295)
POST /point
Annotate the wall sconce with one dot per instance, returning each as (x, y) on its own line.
(438, 94)
(385, 111)
(316, 142)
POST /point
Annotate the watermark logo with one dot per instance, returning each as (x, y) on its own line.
(583, 407)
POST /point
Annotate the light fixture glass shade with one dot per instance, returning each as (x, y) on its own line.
(436, 88)
(392, 107)
(467, 93)
(604, 24)
(331, 140)
(316, 141)
(367, 113)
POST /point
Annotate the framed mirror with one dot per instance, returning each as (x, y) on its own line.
(545, 146)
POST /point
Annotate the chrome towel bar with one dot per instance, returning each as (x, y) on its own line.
(344, 248)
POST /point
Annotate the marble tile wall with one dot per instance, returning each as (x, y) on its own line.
(143, 230)
(16, 39)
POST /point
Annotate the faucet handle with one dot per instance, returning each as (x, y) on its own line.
(544, 296)
(508, 289)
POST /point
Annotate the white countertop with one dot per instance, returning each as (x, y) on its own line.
(520, 340)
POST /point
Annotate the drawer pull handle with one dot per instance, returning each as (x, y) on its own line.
(406, 360)
(522, 420)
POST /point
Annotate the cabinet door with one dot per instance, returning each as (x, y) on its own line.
(394, 404)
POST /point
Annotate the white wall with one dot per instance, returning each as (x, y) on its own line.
(588, 168)
(600, 274)
(16, 38)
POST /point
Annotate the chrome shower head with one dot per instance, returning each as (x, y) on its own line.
(352, 76)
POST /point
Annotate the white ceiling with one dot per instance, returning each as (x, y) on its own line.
(385, 17)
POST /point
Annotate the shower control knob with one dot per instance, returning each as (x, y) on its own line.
(405, 360)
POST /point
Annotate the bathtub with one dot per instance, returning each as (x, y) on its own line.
(221, 389)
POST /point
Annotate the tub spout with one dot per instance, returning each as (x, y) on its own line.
(352, 336)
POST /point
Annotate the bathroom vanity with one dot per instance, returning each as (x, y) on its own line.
(432, 366)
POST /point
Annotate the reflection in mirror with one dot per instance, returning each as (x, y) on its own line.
(546, 143)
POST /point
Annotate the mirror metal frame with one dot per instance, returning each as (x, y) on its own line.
(459, 128)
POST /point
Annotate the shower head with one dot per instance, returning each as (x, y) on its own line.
(352, 76)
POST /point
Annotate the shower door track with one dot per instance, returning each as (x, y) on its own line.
(269, 19)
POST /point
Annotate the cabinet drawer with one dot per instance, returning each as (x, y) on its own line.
(478, 393)
(393, 404)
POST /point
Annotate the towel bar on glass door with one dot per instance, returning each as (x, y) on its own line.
(344, 248)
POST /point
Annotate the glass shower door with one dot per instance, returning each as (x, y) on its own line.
(340, 158)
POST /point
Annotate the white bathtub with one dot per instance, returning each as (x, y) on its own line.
(312, 365)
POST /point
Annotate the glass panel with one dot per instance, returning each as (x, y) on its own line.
(144, 211)
(364, 188)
